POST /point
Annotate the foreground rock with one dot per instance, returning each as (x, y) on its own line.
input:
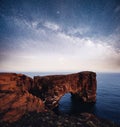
(51, 88)
(49, 119)
(15, 100)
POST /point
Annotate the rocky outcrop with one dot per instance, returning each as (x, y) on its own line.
(20, 107)
(20, 94)
(15, 99)
(51, 88)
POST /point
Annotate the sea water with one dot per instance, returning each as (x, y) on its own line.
(108, 98)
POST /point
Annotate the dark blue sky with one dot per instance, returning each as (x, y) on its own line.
(102, 15)
(64, 29)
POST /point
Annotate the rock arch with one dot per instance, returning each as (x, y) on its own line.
(16, 89)
(51, 88)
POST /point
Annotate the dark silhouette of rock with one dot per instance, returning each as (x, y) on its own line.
(51, 88)
(50, 119)
(15, 99)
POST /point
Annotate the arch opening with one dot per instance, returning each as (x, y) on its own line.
(69, 104)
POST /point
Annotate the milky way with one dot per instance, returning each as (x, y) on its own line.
(60, 35)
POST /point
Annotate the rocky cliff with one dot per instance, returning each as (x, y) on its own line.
(15, 99)
(23, 100)
(52, 88)
(20, 94)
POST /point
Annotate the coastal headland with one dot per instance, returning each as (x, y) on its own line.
(30, 102)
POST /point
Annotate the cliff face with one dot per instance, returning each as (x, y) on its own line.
(19, 103)
(52, 88)
(15, 99)
(20, 94)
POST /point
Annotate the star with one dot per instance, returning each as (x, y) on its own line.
(58, 12)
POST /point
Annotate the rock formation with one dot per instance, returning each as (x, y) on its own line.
(15, 99)
(19, 105)
(51, 88)
(20, 94)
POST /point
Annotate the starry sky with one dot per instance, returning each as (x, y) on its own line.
(60, 35)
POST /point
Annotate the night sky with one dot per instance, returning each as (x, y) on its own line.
(60, 35)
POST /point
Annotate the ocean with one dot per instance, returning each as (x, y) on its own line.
(108, 98)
